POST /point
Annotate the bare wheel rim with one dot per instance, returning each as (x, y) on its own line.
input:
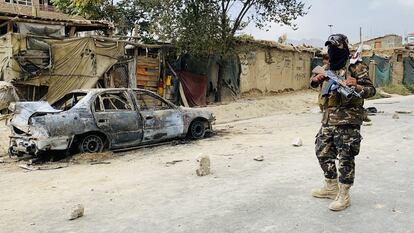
(197, 129)
(92, 144)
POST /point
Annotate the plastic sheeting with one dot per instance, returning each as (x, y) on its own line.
(210, 68)
(195, 88)
(408, 78)
(77, 64)
(41, 29)
(382, 71)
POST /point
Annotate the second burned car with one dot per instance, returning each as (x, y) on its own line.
(99, 119)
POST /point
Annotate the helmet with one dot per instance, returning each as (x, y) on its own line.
(337, 39)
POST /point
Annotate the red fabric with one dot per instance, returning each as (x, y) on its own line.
(195, 88)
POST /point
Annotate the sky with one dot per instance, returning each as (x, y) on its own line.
(376, 17)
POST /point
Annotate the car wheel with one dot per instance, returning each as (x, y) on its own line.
(91, 144)
(197, 129)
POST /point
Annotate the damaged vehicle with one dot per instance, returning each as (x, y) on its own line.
(90, 121)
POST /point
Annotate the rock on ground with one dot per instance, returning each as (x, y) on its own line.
(204, 166)
(297, 142)
(77, 212)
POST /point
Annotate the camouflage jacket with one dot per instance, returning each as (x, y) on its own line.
(337, 110)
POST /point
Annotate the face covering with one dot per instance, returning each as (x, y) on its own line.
(337, 57)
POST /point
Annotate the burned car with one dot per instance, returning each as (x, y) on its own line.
(102, 119)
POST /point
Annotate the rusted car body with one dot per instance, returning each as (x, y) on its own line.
(98, 119)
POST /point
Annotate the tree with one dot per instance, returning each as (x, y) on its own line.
(210, 26)
(125, 14)
(134, 14)
(90, 9)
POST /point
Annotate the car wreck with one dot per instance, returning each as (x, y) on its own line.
(90, 121)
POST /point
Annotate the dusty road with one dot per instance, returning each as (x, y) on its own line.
(139, 192)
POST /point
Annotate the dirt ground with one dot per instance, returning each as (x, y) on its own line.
(157, 190)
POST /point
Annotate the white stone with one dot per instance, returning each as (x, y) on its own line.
(259, 158)
(297, 142)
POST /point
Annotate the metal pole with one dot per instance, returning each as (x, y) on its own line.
(330, 28)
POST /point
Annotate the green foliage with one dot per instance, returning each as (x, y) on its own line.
(210, 26)
(131, 13)
(194, 26)
(125, 14)
(90, 9)
(245, 37)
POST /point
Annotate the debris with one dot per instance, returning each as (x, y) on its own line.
(297, 142)
(77, 212)
(42, 168)
(403, 112)
(27, 167)
(384, 94)
(173, 162)
(91, 158)
(395, 116)
(259, 158)
(372, 110)
(391, 102)
(204, 168)
(367, 124)
(100, 162)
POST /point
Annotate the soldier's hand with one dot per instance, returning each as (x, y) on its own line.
(350, 81)
(319, 78)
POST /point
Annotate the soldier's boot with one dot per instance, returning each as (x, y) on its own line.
(343, 200)
(330, 190)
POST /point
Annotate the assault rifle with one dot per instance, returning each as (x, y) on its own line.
(336, 84)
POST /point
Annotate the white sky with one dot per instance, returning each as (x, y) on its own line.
(376, 17)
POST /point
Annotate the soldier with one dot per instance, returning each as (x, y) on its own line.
(339, 137)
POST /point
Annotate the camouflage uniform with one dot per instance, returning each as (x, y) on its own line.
(339, 137)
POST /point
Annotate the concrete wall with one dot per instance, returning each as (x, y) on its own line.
(385, 42)
(273, 70)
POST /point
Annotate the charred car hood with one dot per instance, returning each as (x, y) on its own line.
(25, 110)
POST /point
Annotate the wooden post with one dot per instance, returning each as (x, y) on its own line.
(72, 31)
(10, 26)
(164, 68)
(372, 66)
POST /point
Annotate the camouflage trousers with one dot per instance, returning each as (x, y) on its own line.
(338, 143)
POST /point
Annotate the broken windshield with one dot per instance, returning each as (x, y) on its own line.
(68, 101)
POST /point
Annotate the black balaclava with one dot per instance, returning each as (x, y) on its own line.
(338, 57)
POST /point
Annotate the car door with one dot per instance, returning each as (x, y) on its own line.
(116, 115)
(162, 120)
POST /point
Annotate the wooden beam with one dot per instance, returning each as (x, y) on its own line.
(10, 26)
(72, 31)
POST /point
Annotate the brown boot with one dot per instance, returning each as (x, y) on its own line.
(343, 200)
(330, 190)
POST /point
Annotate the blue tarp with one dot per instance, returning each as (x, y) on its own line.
(316, 61)
(408, 78)
(382, 71)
